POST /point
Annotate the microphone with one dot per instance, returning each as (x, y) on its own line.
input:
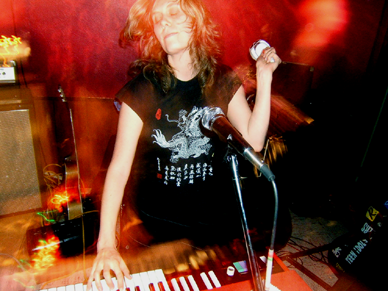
(257, 48)
(215, 120)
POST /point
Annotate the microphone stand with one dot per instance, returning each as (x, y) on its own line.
(215, 120)
(255, 269)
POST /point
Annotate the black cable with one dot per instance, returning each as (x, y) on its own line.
(273, 235)
(275, 216)
(303, 251)
(323, 258)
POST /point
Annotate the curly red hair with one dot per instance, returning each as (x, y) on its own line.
(204, 44)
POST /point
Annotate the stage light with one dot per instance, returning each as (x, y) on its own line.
(324, 19)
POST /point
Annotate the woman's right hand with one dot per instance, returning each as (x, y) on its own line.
(108, 259)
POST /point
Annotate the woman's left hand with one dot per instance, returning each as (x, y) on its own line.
(268, 60)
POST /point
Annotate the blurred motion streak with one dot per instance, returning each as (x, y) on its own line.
(12, 47)
(60, 200)
(46, 253)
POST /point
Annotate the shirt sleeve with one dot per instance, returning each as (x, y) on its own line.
(231, 82)
(136, 94)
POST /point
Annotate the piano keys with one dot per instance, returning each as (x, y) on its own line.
(180, 266)
(154, 280)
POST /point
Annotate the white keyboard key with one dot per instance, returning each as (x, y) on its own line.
(193, 283)
(214, 279)
(153, 280)
(70, 288)
(175, 285)
(94, 287)
(104, 285)
(129, 284)
(205, 280)
(115, 284)
(184, 284)
(137, 281)
(161, 278)
(79, 287)
(145, 280)
(62, 288)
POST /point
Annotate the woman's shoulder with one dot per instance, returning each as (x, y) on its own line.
(137, 83)
(138, 93)
(226, 76)
(139, 87)
(225, 72)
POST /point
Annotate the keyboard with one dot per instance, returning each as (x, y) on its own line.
(180, 266)
(157, 281)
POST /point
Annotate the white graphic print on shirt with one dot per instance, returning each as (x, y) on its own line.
(189, 142)
(190, 172)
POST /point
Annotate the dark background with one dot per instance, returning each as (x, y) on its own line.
(338, 161)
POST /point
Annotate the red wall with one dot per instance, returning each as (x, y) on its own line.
(75, 42)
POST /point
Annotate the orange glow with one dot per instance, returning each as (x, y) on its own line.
(60, 198)
(47, 253)
(324, 19)
(9, 47)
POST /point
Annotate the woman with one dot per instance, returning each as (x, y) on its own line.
(159, 139)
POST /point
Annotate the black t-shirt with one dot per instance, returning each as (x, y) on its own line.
(179, 174)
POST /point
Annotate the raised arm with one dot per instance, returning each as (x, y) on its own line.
(253, 125)
(108, 258)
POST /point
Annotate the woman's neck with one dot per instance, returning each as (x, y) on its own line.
(182, 65)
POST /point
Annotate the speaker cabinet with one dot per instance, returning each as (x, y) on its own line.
(20, 174)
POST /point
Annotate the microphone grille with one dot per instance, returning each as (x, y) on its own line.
(208, 117)
(257, 48)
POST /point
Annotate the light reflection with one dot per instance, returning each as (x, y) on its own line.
(324, 20)
(59, 200)
(46, 253)
(12, 47)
